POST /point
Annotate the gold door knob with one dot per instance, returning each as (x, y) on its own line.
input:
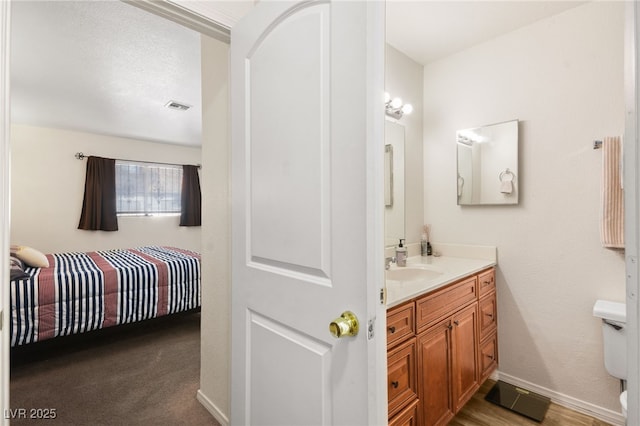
(346, 325)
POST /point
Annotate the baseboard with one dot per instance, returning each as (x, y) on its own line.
(211, 407)
(575, 404)
(578, 405)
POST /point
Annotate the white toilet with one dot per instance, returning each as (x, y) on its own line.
(614, 333)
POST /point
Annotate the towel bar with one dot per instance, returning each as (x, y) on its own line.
(506, 173)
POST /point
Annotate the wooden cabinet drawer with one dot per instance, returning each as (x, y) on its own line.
(488, 315)
(407, 417)
(486, 282)
(400, 323)
(401, 376)
(488, 357)
(443, 302)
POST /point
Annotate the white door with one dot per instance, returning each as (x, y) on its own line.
(307, 213)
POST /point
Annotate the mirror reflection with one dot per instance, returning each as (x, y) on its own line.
(394, 182)
(388, 175)
(488, 164)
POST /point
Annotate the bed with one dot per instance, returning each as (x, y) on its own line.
(80, 292)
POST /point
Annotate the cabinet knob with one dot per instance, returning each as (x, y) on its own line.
(392, 329)
(449, 326)
(456, 322)
(490, 356)
(395, 385)
(489, 315)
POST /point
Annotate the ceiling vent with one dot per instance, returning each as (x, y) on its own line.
(177, 106)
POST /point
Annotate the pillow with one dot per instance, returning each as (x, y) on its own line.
(17, 268)
(30, 256)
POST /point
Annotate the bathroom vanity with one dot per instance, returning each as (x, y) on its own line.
(441, 336)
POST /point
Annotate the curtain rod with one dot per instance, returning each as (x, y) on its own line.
(82, 156)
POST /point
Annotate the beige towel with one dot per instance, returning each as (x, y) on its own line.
(612, 196)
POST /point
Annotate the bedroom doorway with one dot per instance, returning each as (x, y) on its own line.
(214, 233)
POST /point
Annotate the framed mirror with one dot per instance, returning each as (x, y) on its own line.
(394, 217)
(487, 164)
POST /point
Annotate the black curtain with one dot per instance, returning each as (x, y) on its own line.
(191, 198)
(99, 204)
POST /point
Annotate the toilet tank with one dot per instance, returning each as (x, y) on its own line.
(614, 336)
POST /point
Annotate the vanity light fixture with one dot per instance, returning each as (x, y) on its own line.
(469, 137)
(395, 108)
(464, 140)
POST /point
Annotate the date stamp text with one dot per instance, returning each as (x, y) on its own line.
(30, 413)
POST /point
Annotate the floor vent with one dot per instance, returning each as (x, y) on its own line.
(518, 400)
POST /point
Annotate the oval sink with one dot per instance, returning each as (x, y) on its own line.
(413, 273)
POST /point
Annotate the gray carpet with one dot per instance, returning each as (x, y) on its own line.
(142, 374)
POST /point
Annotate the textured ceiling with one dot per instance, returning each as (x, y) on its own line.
(104, 67)
(108, 67)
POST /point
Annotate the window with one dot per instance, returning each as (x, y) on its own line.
(147, 188)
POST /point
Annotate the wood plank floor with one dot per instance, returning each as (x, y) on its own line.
(478, 412)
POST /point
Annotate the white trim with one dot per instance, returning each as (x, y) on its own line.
(377, 344)
(212, 408)
(5, 200)
(570, 402)
(184, 16)
(632, 210)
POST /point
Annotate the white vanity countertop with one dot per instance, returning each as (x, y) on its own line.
(452, 268)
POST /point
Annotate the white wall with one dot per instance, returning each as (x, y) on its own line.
(403, 78)
(48, 187)
(216, 221)
(563, 78)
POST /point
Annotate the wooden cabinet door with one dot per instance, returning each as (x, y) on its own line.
(434, 374)
(465, 355)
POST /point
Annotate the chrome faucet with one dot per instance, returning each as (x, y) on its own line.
(387, 262)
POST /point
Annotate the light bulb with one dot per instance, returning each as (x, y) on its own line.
(396, 103)
(407, 109)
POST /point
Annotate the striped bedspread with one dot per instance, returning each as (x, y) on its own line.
(81, 292)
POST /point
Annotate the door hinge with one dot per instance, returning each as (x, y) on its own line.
(371, 329)
(383, 296)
